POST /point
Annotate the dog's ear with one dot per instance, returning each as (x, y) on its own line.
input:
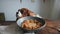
(21, 11)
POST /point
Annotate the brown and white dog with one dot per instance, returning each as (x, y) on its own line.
(25, 12)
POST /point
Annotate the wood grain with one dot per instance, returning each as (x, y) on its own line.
(46, 30)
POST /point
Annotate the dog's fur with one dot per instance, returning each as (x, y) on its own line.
(25, 12)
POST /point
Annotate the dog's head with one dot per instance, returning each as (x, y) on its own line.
(24, 12)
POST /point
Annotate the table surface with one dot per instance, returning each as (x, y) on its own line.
(51, 27)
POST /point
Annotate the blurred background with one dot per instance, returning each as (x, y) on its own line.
(49, 9)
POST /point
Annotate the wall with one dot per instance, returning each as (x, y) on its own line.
(50, 9)
(56, 10)
(10, 7)
(34, 6)
(46, 8)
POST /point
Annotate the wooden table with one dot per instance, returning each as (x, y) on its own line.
(49, 29)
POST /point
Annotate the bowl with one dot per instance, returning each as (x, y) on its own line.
(20, 21)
